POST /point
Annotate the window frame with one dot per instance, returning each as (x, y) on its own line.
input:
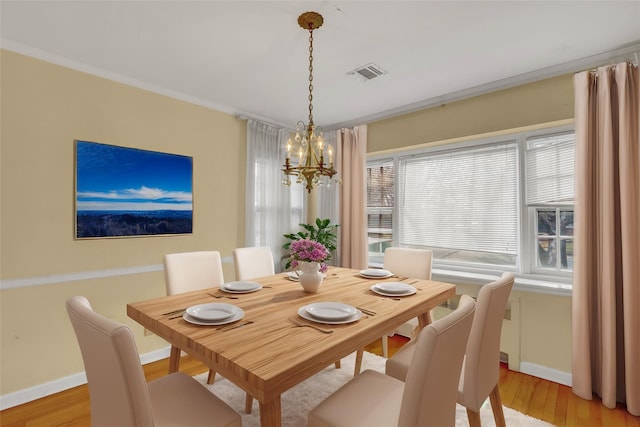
(533, 224)
(525, 267)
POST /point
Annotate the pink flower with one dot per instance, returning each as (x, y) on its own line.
(310, 251)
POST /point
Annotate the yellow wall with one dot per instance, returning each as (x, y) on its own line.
(537, 330)
(528, 105)
(540, 332)
(46, 107)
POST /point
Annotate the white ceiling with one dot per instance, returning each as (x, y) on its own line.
(251, 58)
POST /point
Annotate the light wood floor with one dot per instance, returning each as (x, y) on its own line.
(542, 399)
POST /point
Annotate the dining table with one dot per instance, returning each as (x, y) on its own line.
(275, 345)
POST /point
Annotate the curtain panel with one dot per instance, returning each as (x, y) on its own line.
(606, 277)
(352, 167)
(272, 209)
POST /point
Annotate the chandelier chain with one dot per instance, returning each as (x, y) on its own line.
(310, 77)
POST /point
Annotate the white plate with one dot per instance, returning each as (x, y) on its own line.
(375, 273)
(394, 287)
(330, 311)
(236, 316)
(212, 311)
(293, 275)
(302, 312)
(241, 287)
(389, 291)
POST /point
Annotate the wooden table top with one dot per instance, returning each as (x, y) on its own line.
(271, 355)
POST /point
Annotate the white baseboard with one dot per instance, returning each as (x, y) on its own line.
(546, 373)
(19, 397)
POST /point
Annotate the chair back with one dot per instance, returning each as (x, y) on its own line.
(253, 262)
(408, 262)
(190, 271)
(431, 386)
(481, 369)
(117, 386)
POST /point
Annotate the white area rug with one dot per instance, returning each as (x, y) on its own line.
(298, 401)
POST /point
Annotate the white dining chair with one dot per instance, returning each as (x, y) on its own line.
(428, 396)
(407, 262)
(481, 367)
(190, 271)
(253, 262)
(119, 394)
(402, 262)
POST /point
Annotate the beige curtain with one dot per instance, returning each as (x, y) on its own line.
(352, 166)
(606, 276)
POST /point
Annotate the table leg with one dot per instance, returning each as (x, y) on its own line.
(271, 413)
(174, 359)
(358, 363)
(423, 320)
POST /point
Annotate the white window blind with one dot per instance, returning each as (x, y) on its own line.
(550, 168)
(463, 200)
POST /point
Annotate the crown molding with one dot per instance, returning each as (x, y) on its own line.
(626, 52)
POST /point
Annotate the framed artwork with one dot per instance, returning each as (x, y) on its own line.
(124, 192)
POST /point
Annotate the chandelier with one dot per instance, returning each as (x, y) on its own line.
(309, 148)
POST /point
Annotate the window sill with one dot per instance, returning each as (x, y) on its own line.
(524, 282)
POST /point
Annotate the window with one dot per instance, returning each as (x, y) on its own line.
(554, 239)
(495, 204)
(462, 204)
(549, 163)
(269, 219)
(272, 209)
(380, 201)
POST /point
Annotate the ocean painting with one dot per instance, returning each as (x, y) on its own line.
(123, 192)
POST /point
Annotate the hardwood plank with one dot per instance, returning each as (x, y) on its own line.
(561, 406)
(572, 414)
(524, 393)
(610, 416)
(583, 412)
(595, 415)
(538, 400)
(548, 414)
(510, 389)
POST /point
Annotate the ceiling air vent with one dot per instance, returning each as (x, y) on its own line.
(368, 72)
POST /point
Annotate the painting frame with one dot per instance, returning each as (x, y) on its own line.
(124, 192)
